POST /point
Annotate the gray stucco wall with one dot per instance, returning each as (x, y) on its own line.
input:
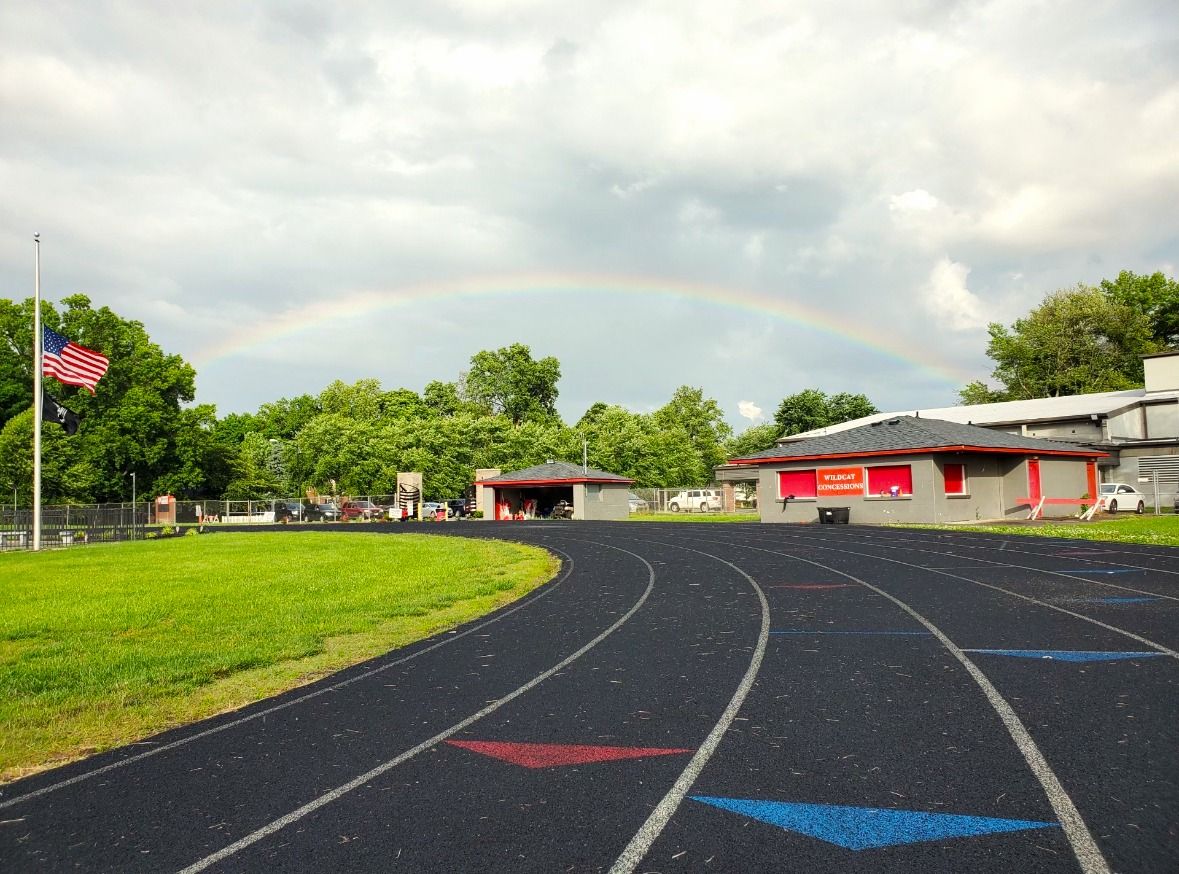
(1059, 478)
(602, 502)
(926, 504)
(984, 490)
(993, 484)
(1162, 420)
(1073, 431)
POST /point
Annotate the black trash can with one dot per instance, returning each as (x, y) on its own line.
(834, 515)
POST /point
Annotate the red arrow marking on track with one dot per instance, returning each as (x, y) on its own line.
(529, 755)
(816, 586)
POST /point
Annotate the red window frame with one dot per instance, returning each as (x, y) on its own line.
(881, 479)
(954, 474)
(800, 483)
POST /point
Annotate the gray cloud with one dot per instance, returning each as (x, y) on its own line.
(221, 166)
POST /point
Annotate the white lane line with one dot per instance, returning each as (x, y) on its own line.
(53, 787)
(328, 797)
(643, 840)
(965, 544)
(1130, 634)
(1079, 837)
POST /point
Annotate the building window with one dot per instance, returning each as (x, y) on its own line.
(799, 483)
(890, 481)
(955, 476)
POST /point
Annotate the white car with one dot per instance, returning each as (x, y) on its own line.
(1120, 496)
(692, 500)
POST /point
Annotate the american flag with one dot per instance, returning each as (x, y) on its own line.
(70, 363)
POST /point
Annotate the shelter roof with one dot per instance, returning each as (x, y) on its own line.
(555, 473)
(909, 434)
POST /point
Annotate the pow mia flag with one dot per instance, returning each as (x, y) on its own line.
(53, 411)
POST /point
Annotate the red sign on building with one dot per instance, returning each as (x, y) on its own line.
(834, 482)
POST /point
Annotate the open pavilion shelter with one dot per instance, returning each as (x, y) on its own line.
(536, 491)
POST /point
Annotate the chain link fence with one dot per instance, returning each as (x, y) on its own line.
(78, 524)
(715, 498)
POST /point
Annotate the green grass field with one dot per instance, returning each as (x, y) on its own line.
(102, 645)
(694, 517)
(1156, 530)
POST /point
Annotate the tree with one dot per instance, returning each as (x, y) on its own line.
(509, 382)
(135, 423)
(362, 401)
(811, 408)
(16, 358)
(701, 424)
(1155, 295)
(282, 419)
(441, 398)
(619, 441)
(753, 439)
(1077, 341)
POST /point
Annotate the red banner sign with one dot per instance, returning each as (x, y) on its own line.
(832, 482)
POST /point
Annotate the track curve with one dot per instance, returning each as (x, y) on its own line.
(690, 697)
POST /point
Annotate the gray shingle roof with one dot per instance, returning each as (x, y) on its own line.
(907, 433)
(556, 470)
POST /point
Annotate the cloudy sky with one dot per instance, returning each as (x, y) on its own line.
(752, 198)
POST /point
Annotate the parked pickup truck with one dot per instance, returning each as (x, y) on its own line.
(692, 500)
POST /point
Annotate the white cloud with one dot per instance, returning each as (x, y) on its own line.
(749, 410)
(953, 304)
(918, 200)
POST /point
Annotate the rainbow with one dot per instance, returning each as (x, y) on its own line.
(367, 302)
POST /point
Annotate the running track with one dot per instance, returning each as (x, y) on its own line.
(692, 698)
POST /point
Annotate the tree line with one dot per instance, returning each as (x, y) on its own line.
(499, 413)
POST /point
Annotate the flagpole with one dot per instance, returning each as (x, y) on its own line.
(37, 342)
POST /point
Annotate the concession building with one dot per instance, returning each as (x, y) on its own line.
(910, 469)
(536, 491)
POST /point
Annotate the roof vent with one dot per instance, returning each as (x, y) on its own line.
(876, 424)
(894, 421)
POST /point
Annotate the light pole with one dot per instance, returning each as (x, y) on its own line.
(132, 505)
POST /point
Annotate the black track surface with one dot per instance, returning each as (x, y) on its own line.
(879, 720)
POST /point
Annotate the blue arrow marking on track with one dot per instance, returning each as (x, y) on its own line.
(1067, 655)
(865, 828)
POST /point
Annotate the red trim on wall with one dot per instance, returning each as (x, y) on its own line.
(987, 450)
